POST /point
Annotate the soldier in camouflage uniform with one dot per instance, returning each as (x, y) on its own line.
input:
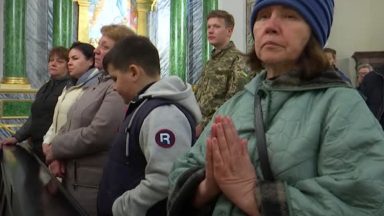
(225, 73)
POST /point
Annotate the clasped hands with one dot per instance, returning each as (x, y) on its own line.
(56, 167)
(228, 168)
(8, 141)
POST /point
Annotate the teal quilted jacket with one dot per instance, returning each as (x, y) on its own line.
(326, 151)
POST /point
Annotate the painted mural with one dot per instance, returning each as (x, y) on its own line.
(104, 12)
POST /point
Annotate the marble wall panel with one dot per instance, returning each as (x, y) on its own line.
(159, 32)
(194, 37)
(1, 36)
(9, 126)
(36, 36)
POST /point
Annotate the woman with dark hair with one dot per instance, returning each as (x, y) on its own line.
(93, 121)
(83, 73)
(298, 140)
(43, 106)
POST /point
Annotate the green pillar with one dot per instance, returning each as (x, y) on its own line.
(178, 54)
(70, 22)
(62, 23)
(14, 42)
(208, 5)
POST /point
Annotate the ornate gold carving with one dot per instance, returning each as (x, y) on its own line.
(15, 80)
(153, 6)
(83, 29)
(143, 7)
(15, 83)
(7, 127)
(12, 88)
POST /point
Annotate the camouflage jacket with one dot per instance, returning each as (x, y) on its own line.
(223, 76)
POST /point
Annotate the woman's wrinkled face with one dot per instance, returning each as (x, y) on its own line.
(280, 35)
(104, 46)
(57, 67)
(78, 63)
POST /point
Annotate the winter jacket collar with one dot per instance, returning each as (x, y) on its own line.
(215, 52)
(88, 79)
(291, 82)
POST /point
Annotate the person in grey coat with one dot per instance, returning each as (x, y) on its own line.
(92, 122)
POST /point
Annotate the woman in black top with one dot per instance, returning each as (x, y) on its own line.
(43, 107)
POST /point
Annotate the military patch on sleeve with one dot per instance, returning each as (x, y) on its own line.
(165, 138)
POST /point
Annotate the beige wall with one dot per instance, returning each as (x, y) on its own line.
(358, 26)
(238, 9)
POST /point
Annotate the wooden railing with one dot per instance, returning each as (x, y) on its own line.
(28, 189)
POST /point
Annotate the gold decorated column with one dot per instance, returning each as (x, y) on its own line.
(83, 30)
(143, 8)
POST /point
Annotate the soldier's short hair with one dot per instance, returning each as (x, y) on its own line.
(116, 32)
(312, 61)
(137, 50)
(228, 18)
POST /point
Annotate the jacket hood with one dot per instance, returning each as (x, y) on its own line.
(292, 82)
(174, 89)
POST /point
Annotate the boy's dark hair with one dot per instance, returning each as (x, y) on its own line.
(228, 18)
(87, 50)
(135, 50)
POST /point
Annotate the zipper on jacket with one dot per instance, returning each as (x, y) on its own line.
(74, 175)
(58, 109)
(127, 143)
(127, 130)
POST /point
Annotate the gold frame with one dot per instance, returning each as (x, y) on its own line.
(12, 100)
(8, 127)
(15, 80)
(16, 88)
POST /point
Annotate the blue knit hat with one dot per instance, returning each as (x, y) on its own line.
(317, 13)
